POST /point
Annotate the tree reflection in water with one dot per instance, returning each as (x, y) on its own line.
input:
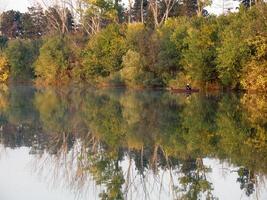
(137, 143)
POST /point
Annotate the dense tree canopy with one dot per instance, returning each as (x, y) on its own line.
(164, 43)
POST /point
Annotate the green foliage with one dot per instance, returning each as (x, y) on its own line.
(99, 13)
(168, 57)
(232, 54)
(145, 43)
(21, 55)
(104, 52)
(39, 21)
(54, 63)
(52, 111)
(132, 68)
(172, 43)
(207, 52)
(21, 109)
(27, 26)
(200, 54)
(133, 73)
(15, 24)
(103, 8)
(139, 61)
(3, 42)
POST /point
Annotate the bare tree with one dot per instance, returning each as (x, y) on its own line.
(90, 14)
(57, 13)
(130, 11)
(142, 11)
(161, 10)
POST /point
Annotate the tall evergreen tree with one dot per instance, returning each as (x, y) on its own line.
(11, 24)
(39, 20)
(27, 26)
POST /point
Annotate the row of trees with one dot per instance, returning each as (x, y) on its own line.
(209, 52)
(35, 23)
(87, 16)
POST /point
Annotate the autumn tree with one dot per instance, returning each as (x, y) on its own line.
(254, 73)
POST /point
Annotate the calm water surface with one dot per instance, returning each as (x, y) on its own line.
(82, 144)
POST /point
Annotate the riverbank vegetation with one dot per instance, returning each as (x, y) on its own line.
(107, 44)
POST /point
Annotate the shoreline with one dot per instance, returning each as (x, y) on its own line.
(138, 88)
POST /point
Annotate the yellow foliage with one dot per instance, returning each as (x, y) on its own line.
(4, 69)
(131, 108)
(133, 28)
(134, 142)
(4, 101)
(259, 141)
(135, 31)
(256, 107)
(254, 75)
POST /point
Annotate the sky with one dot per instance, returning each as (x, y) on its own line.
(20, 5)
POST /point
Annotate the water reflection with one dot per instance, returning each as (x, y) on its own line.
(136, 144)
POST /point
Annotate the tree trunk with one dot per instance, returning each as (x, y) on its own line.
(130, 11)
(142, 11)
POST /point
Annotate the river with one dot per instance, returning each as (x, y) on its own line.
(78, 143)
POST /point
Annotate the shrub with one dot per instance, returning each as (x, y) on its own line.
(3, 42)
